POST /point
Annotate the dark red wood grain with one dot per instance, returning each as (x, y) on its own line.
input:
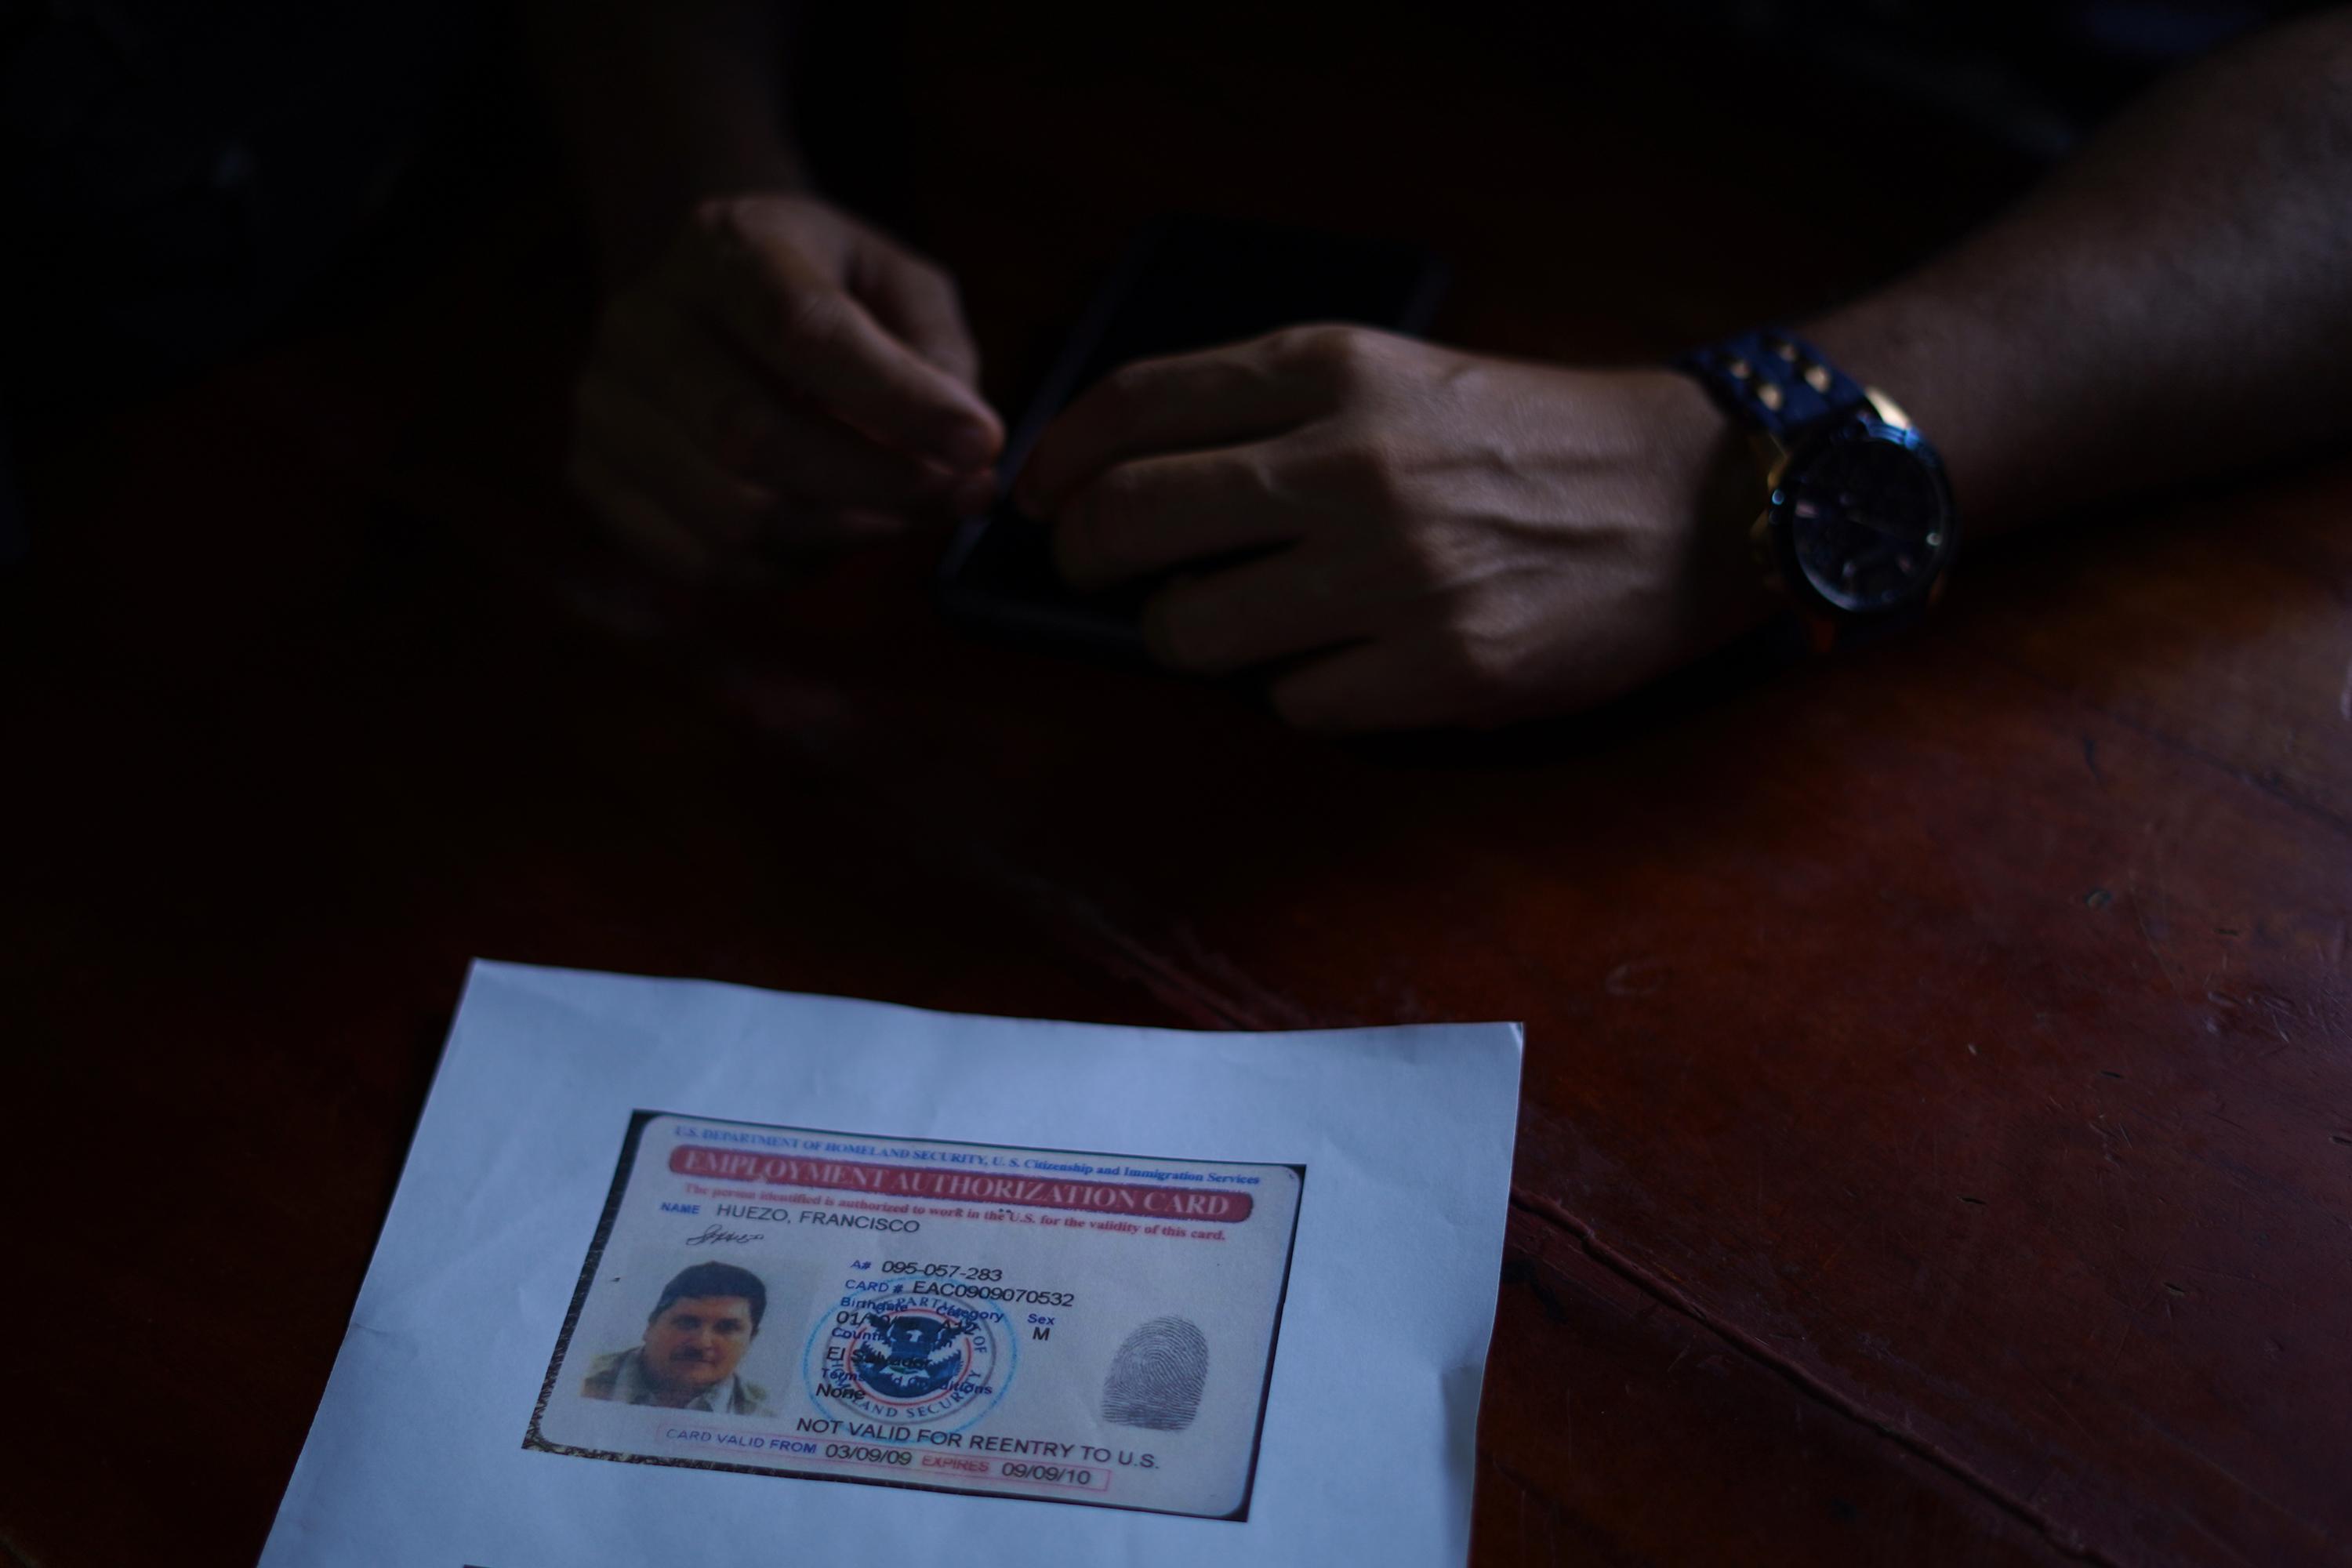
(1934, 1143)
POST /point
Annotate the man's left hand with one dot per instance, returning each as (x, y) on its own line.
(1426, 537)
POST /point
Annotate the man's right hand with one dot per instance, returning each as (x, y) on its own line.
(784, 377)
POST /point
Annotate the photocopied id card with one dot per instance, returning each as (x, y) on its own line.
(1075, 1327)
(679, 1272)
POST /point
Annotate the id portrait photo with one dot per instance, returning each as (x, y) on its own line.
(696, 1336)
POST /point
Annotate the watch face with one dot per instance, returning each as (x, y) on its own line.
(1866, 517)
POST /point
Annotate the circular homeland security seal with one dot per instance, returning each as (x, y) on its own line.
(910, 1359)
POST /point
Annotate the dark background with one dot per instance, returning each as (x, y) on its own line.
(1932, 1144)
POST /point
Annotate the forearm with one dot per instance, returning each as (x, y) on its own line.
(661, 103)
(2175, 301)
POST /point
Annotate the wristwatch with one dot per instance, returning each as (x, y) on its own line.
(1858, 530)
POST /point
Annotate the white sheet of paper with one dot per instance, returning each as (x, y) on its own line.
(1001, 1263)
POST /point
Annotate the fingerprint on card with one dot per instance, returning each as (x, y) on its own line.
(1156, 1379)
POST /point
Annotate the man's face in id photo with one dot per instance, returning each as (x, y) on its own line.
(696, 1342)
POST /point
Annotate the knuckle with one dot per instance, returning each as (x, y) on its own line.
(1349, 348)
(742, 502)
(1109, 509)
(713, 245)
(1258, 474)
(1337, 356)
(1382, 480)
(806, 317)
(1285, 346)
(1430, 559)
(1315, 342)
(725, 218)
(1122, 394)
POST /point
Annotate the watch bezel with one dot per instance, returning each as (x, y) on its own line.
(1777, 526)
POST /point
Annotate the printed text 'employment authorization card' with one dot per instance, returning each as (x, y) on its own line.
(1076, 1327)
(678, 1269)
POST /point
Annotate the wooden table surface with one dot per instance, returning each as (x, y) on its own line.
(1936, 1136)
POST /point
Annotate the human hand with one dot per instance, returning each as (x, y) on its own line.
(786, 377)
(1455, 539)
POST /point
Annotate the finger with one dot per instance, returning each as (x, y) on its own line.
(821, 463)
(820, 533)
(825, 346)
(653, 455)
(1183, 403)
(1147, 515)
(1404, 684)
(1230, 620)
(635, 521)
(863, 525)
(746, 429)
(917, 301)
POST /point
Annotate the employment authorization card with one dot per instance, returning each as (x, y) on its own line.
(1077, 1327)
(680, 1271)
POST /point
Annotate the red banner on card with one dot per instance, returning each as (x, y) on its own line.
(1182, 1205)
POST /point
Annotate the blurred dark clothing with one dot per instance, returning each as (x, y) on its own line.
(175, 172)
(179, 176)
